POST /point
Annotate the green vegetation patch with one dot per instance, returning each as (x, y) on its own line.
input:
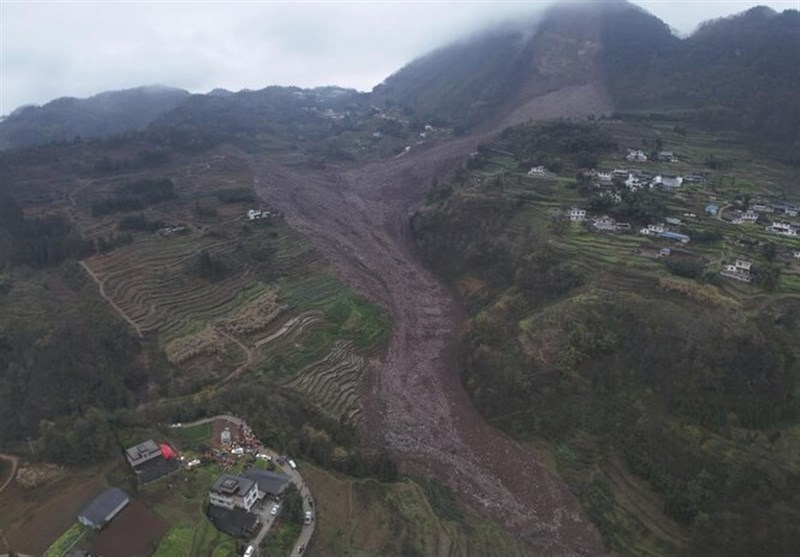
(66, 540)
(194, 436)
(177, 542)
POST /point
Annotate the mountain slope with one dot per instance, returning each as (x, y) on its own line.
(102, 115)
(739, 72)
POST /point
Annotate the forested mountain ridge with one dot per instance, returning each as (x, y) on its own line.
(101, 115)
(738, 72)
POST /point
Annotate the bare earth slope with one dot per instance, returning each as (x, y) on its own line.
(417, 406)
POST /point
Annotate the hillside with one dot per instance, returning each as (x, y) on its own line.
(102, 115)
(517, 300)
(736, 73)
(664, 387)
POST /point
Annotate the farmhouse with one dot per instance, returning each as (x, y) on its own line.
(270, 484)
(538, 171)
(604, 224)
(738, 271)
(782, 228)
(103, 508)
(150, 461)
(749, 217)
(652, 229)
(256, 214)
(667, 156)
(576, 215)
(669, 181)
(231, 492)
(674, 236)
(636, 155)
(712, 209)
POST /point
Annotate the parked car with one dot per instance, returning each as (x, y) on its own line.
(309, 517)
(275, 509)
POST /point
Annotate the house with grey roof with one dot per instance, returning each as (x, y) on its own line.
(271, 484)
(103, 508)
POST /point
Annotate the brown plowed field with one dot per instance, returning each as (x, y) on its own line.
(33, 519)
(134, 532)
(416, 405)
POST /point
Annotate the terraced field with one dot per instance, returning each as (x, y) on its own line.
(334, 383)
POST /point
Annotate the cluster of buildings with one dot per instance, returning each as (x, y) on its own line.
(637, 155)
(660, 230)
(636, 179)
(149, 462)
(604, 223)
(758, 211)
(257, 214)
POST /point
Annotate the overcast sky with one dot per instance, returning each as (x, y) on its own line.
(65, 48)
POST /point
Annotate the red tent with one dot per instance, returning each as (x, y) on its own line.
(167, 452)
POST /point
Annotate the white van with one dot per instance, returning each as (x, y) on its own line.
(249, 551)
(292, 464)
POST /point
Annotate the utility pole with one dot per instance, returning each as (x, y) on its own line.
(30, 444)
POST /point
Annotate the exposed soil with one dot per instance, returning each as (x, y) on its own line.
(134, 532)
(416, 405)
(33, 519)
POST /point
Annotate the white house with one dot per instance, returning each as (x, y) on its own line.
(576, 215)
(743, 265)
(636, 155)
(749, 217)
(605, 223)
(652, 229)
(231, 491)
(538, 171)
(740, 270)
(669, 181)
(783, 228)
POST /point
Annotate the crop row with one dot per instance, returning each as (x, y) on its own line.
(334, 382)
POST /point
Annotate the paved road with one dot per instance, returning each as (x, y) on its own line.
(294, 476)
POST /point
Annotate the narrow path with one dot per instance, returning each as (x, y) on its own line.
(247, 352)
(13, 473)
(118, 309)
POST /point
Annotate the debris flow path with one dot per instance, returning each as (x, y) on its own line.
(416, 406)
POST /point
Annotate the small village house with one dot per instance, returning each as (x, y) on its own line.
(103, 508)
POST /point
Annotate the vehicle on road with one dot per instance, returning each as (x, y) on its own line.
(309, 517)
(292, 464)
(274, 510)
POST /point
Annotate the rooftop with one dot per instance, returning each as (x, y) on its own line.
(228, 484)
(270, 483)
(105, 506)
(142, 452)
